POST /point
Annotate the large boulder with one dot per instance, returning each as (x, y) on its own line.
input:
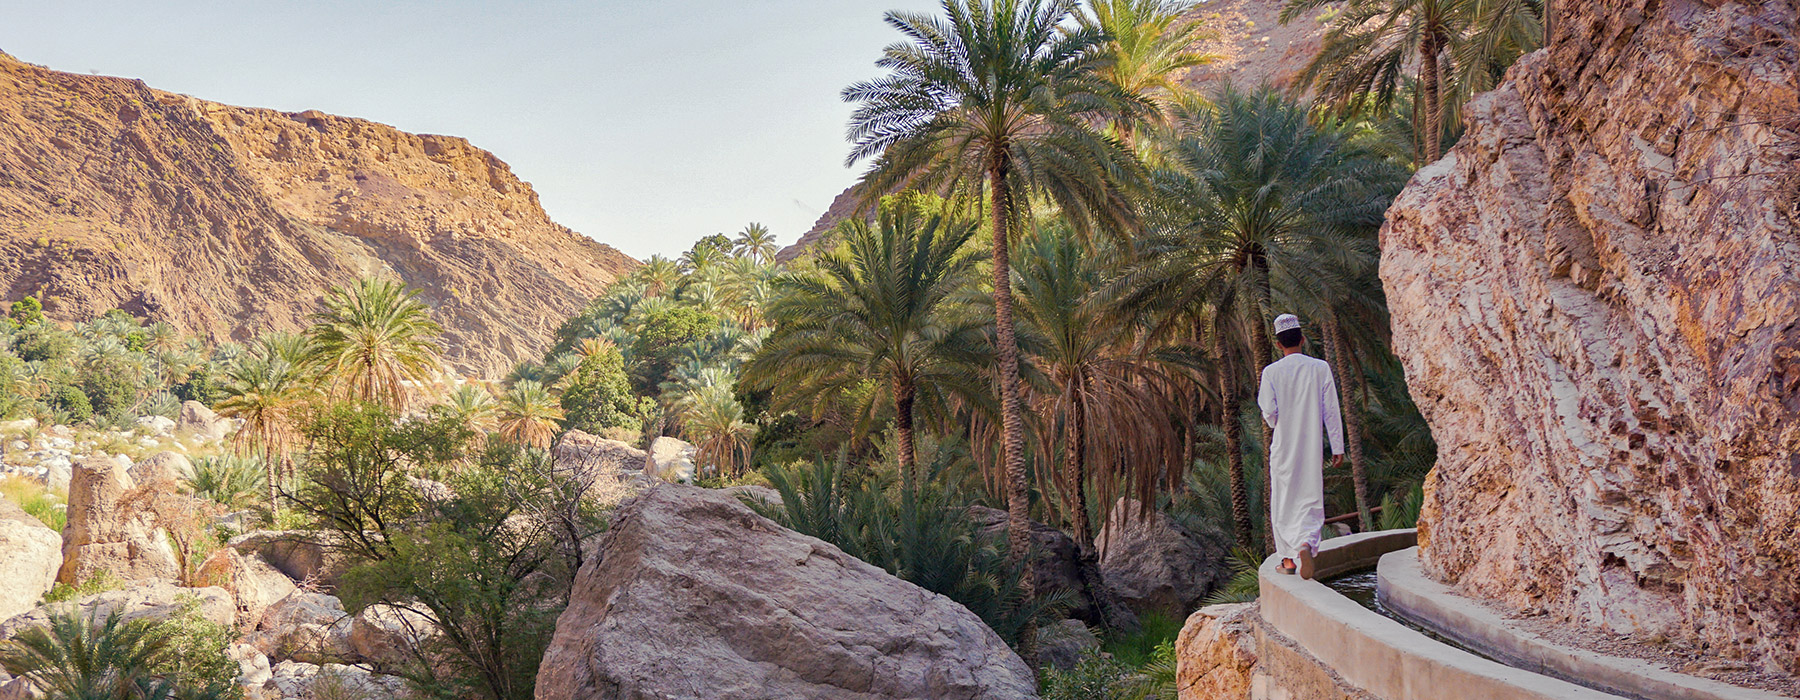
(162, 466)
(1155, 565)
(305, 626)
(143, 600)
(390, 636)
(104, 533)
(1062, 645)
(156, 425)
(30, 555)
(1594, 296)
(199, 421)
(294, 680)
(1215, 654)
(254, 584)
(697, 596)
(590, 455)
(1055, 562)
(304, 556)
(672, 459)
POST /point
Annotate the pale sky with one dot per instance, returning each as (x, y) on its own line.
(645, 125)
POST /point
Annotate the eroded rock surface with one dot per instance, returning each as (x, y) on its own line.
(697, 596)
(104, 534)
(1215, 654)
(229, 221)
(1596, 296)
(30, 555)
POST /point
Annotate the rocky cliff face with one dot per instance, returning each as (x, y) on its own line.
(1597, 299)
(229, 221)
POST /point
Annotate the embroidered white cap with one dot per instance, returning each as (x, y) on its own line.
(1286, 322)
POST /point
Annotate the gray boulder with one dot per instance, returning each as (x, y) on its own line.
(144, 600)
(198, 420)
(1063, 644)
(162, 466)
(671, 613)
(30, 554)
(1155, 565)
(294, 680)
(591, 455)
(303, 556)
(1055, 560)
(672, 459)
(305, 626)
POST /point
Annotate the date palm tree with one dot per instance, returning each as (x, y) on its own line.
(1149, 43)
(658, 274)
(999, 98)
(373, 339)
(528, 414)
(713, 420)
(1372, 44)
(1259, 207)
(756, 243)
(880, 305)
(269, 394)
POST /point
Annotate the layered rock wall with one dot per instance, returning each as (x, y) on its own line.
(230, 221)
(1596, 295)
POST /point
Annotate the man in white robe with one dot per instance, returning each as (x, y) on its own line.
(1299, 401)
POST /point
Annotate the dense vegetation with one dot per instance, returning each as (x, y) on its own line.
(1055, 301)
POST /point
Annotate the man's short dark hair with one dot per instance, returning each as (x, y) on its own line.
(1289, 338)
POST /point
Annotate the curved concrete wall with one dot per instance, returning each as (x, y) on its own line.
(1405, 589)
(1381, 656)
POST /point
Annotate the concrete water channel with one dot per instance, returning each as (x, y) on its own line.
(1374, 626)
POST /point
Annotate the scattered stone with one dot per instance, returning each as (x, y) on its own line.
(18, 426)
(293, 680)
(30, 555)
(1155, 565)
(157, 425)
(672, 459)
(805, 619)
(102, 535)
(253, 665)
(200, 421)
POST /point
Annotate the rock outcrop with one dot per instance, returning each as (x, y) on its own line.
(230, 221)
(304, 626)
(30, 555)
(142, 600)
(591, 455)
(104, 535)
(1215, 654)
(694, 595)
(198, 420)
(254, 584)
(672, 459)
(301, 555)
(1594, 295)
(1155, 565)
(163, 466)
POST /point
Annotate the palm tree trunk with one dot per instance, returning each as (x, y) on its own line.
(1434, 110)
(1113, 614)
(1226, 375)
(1259, 350)
(1011, 413)
(1337, 354)
(903, 430)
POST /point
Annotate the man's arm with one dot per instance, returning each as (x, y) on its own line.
(1265, 398)
(1329, 410)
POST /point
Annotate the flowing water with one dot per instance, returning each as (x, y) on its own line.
(1360, 587)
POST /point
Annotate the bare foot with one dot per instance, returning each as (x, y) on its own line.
(1287, 566)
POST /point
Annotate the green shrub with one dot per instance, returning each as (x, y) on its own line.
(600, 396)
(1094, 677)
(109, 389)
(202, 385)
(43, 342)
(70, 403)
(194, 650)
(1243, 586)
(1139, 647)
(100, 582)
(27, 311)
(37, 501)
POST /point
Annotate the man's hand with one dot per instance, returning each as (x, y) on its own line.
(1337, 461)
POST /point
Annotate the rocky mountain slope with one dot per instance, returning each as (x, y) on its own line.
(232, 221)
(1250, 47)
(1595, 298)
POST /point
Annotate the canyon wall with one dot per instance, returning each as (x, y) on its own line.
(229, 222)
(1596, 295)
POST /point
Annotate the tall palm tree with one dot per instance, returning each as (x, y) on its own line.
(1113, 407)
(1371, 44)
(1148, 43)
(659, 274)
(999, 97)
(1259, 207)
(372, 339)
(528, 414)
(474, 406)
(880, 305)
(701, 259)
(756, 243)
(269, 394)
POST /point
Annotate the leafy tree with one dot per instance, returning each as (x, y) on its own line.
(599, 395)
(999, 97)
(661, 333)
(27, 311)
(880, 305)
(373, 338)
(72, 402)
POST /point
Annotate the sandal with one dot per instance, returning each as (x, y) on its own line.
(1287, 566)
